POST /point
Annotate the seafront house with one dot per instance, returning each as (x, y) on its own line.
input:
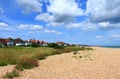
(45, 44)
(6, 42)
(9, 42)
(38, 42)
(2, 42)
(27, 43)
(19, 42)
(62, 44)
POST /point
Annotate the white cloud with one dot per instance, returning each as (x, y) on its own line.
(99, 36)
(30, 26)
(104, 10)
(52, 31)
(115, 36)
(31, 32)
(4, 26)
(59, 14)
(36, 27)
(23, 26)
(1, 11)
(102, 15)
(104, 24)
(30, 5)
(64, 7)
(44, 17)
(55, 24)
(87, 26)
(108, 25)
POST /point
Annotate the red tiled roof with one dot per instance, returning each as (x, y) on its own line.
(60, 42)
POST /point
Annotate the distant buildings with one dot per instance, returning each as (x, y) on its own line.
(62, 44)
(19, 42)
(9, 42)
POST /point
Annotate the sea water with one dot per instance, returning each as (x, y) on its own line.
(111, 46)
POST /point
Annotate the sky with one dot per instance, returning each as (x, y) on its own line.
(92, 22)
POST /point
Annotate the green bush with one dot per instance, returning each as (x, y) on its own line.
(89, 48)
(13, 62)
(56, 46)
(12, 74)
(0, 46)
(27, 64)
(3, 64)
(41, 56)
(35, 45)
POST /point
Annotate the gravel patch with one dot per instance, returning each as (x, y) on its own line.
(5, 69)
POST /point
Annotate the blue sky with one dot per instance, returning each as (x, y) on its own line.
(94, 22)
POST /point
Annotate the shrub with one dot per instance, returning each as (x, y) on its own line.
(3, 64)
(13, 62)
(41, 56)
(59, 47)
(12, 74)
(75, 52)
(0, 46)
(89, 48)
(58, 51)
(56, 46)
(27, 64)
(35, 45)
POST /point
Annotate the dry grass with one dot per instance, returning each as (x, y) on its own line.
(25, 57)
(15, 54)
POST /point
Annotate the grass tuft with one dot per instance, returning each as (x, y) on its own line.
(27, 64)
(12, 74)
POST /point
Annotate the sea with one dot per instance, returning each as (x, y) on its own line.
(111, 46)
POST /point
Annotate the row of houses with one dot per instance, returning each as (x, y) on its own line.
(19, 42)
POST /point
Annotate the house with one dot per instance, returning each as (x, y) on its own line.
(45, 44)
(40, 43)
(19, 42)
(27, 43)
(2, 42)
(9, 42)
(6, 42)
(66, 44)
(60, 43)
(34, 41)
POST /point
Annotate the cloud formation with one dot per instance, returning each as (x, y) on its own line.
(52, 31)
(30, 5)
(57, 14)
(4, 26)
(1, 11)
(104, 10)
(87, 26)
(102, 14)
(30, 27)
(108, 25)
(36, 28)
(99, 36)
(64, 7)
(115, 36)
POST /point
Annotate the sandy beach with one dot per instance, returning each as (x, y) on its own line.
(101, 63)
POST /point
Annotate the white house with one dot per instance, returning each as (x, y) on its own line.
(10, 43)
(19, 42)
